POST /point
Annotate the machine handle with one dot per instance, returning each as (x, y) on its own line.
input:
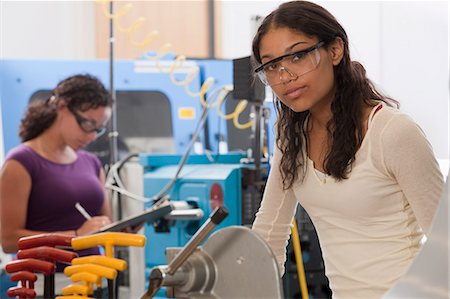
(47, 253)
(191, 214)
(217, 216)
(158, 275)
(51, 240)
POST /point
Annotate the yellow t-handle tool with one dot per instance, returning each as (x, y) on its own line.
(101, 260)
(73, 297)
(109, 240)
(87, 279)
(75, 289)
(91, 268)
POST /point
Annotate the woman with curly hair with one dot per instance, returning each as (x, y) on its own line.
(44, 177)
(364, 171)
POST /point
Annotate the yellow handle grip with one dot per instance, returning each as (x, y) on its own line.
(108, 239)
(88, 279)
(75, 289)
(96, 269)
(101, 260)
(73, 297)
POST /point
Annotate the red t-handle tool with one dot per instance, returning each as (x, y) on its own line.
(21, 292)
(42, 247)
(27, 265)
(26, 290)
(52, 240)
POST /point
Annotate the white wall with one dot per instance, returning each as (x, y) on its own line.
(47, 29)
(404, 46)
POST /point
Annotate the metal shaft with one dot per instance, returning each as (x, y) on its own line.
(218, 215)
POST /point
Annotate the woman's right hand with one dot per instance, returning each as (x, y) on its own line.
(93, 225)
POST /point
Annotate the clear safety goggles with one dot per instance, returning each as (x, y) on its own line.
(294, 64)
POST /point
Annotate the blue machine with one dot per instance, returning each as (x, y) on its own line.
(203, 184)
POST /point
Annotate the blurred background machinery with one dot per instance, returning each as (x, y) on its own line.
(204, 153)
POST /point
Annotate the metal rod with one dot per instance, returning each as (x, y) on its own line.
(111, 289)
(49, 286)
(113, 134)
(212, 29)
(218, 215)
(113, 126)
(258, 134)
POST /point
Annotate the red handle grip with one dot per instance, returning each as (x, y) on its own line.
(32, 265)
(47, 253)
(21, 292)
(23, 275)
(51, 240)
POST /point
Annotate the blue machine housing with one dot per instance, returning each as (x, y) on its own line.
(20, 79)
(194, 186)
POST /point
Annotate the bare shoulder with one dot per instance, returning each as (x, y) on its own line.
(13, 170)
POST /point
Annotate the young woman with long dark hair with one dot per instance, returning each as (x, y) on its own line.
(363, 170)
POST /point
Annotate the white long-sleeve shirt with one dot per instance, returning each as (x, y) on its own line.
(371, 224)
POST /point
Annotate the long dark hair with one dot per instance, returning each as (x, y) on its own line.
(79, 92)
(353, 91)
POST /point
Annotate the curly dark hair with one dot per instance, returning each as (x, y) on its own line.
(80, 92)
(353, 91)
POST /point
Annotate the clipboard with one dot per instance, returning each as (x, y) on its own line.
(150, 215)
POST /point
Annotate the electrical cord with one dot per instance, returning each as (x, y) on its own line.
(161, 196)
(299, 261)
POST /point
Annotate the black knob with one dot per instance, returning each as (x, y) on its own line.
(219, 214)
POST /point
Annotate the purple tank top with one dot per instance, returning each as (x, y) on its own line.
(56, 188)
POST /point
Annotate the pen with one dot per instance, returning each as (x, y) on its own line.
(82, 211)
